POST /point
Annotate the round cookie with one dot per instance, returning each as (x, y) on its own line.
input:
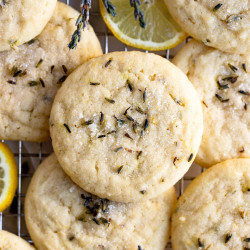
(21, 21)
(222, 81)
(223, 24)
(214, 211)
(9, 241)
(126, 126)
(31, 75)
(60, 215)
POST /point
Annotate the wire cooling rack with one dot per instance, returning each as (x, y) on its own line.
(30, 155)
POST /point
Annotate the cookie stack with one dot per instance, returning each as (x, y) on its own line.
(125, 127)
(214, 211)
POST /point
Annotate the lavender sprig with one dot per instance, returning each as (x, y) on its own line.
(109, 7)
(81, 23)
(137, 13)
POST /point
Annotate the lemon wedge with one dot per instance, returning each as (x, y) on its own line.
(8, 176)
(161, 31)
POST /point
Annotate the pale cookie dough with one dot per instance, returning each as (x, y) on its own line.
(223, 24)
(126, 126)
(214, 211)
(60, 215)
(21, 21)
(222, 82)
(31, 76)
(9, 241)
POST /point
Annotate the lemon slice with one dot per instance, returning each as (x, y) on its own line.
(161, 31)
(8, 176)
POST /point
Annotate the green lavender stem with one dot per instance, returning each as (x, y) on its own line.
(81, 23)
(109, 7)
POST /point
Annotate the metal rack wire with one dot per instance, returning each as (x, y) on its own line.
(13, 218)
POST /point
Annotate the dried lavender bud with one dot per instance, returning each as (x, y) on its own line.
(109, 7)
(137, 12)
(81, 23)
(216, 7)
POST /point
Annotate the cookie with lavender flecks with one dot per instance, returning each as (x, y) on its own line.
(222, 24)
(60, 215)
(214, 211)
(31, 75)
(222, 81)
(126, 126)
